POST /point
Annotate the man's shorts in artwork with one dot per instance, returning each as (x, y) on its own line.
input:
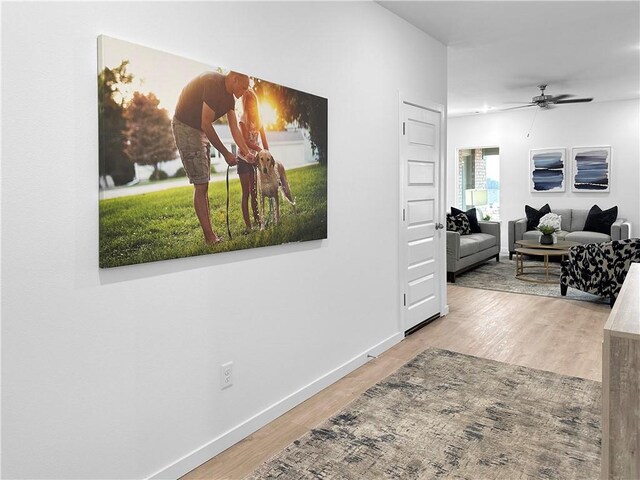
(195, 151)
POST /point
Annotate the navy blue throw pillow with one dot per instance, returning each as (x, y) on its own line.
(599, 220)
(534, 216)
(471, 216)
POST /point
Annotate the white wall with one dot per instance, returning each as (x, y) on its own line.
(579, 125)
(114, 374)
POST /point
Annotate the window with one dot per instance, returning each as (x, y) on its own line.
(478, 183)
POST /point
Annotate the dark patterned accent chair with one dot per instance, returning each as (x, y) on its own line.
(599, 268)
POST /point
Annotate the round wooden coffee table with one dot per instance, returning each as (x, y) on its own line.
(534, 248)
(560, 244)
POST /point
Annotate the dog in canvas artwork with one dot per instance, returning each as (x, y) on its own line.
(272, 178)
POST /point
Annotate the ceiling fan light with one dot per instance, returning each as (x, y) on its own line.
(541, 98)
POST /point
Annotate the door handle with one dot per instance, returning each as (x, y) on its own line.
(439, 226)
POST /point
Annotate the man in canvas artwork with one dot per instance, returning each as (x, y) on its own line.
(202, 101)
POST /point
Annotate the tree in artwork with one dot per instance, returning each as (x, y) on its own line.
(113, 160)
(150, 139)
(304, 109)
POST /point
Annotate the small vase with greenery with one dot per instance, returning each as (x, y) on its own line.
(549, 224)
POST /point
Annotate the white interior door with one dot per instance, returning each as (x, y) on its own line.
(419, 238)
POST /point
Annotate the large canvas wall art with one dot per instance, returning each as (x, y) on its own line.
(547, 170)
(591, 169)
(196, 159)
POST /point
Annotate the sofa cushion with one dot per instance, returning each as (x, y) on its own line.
(599, 220)
(472, 216)
(531, 235)
(484, 240)
(468, 246)
(534, 216)
(578, 218)
(565, 216)
(458, 223)
(476, 242)
(585, 237)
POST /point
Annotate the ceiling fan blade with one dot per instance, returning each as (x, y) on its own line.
(519, 106)
(560, 97)
(575, 100)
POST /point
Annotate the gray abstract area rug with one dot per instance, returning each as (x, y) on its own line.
(501, 276)
(448, 415)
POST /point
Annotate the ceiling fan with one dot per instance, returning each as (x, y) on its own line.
(546, 101)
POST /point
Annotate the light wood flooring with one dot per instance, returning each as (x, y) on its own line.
(553, 334)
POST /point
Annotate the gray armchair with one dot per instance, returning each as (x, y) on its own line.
(465, 252)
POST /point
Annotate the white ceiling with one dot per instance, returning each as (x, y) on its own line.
(498, 52)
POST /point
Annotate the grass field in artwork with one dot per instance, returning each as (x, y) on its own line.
(162, 225)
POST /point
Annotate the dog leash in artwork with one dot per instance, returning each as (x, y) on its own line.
(228, 229)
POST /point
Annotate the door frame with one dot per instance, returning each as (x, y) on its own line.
(420, 102)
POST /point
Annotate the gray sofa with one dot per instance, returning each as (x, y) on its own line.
(465, 252)
(571, 228)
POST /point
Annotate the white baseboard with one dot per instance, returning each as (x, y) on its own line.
(233, 436)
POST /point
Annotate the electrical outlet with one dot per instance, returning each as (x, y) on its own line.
(226, 375)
